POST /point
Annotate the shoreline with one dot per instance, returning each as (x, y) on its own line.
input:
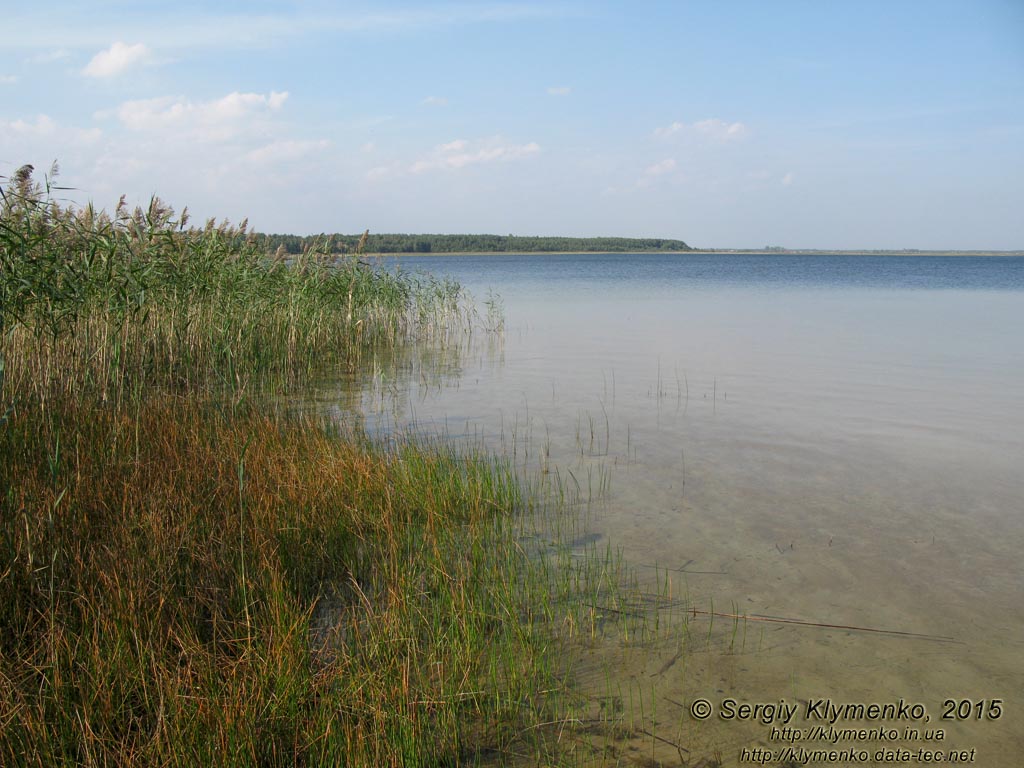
(708, 251)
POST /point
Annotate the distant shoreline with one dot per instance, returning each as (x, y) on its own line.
(399, 244)
(704, 251)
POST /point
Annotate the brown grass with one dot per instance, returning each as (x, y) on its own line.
(186, 586)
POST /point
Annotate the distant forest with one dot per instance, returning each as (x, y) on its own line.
(296, 244)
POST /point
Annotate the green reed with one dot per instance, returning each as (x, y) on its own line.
(106, 303)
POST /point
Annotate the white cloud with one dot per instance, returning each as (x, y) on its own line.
(215, 120)
(8, 79)
(788, 179)
(383, 172)
(712, 127)
(559, 90)
(668, 130)
(461, 153)
(36, 138)
(236, 105)
(435, 101)
(719, 129)
(189, 151)
(665, 166)
(44, 125)
(116, 59)
(663, 169)
(286, 150)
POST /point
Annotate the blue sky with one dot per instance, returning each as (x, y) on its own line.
(862, 124)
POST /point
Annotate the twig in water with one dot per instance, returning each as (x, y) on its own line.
(801, 622)
(665, 741)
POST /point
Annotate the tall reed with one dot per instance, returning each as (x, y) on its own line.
(99, 303)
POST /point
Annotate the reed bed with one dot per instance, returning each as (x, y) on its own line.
(96, 304)
(192, 575)
(189, 576)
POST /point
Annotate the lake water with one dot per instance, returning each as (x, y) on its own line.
(832, 439)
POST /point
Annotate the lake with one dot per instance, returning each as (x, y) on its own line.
(836, 440)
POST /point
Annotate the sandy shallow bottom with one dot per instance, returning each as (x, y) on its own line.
(923, 608)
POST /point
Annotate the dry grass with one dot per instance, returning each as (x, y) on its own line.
(187, 586)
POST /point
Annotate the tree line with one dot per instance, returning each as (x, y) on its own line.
(403, 243)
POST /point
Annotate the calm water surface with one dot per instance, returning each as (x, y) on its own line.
(832, 439)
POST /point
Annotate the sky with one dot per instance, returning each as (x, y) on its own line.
(896, 124)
